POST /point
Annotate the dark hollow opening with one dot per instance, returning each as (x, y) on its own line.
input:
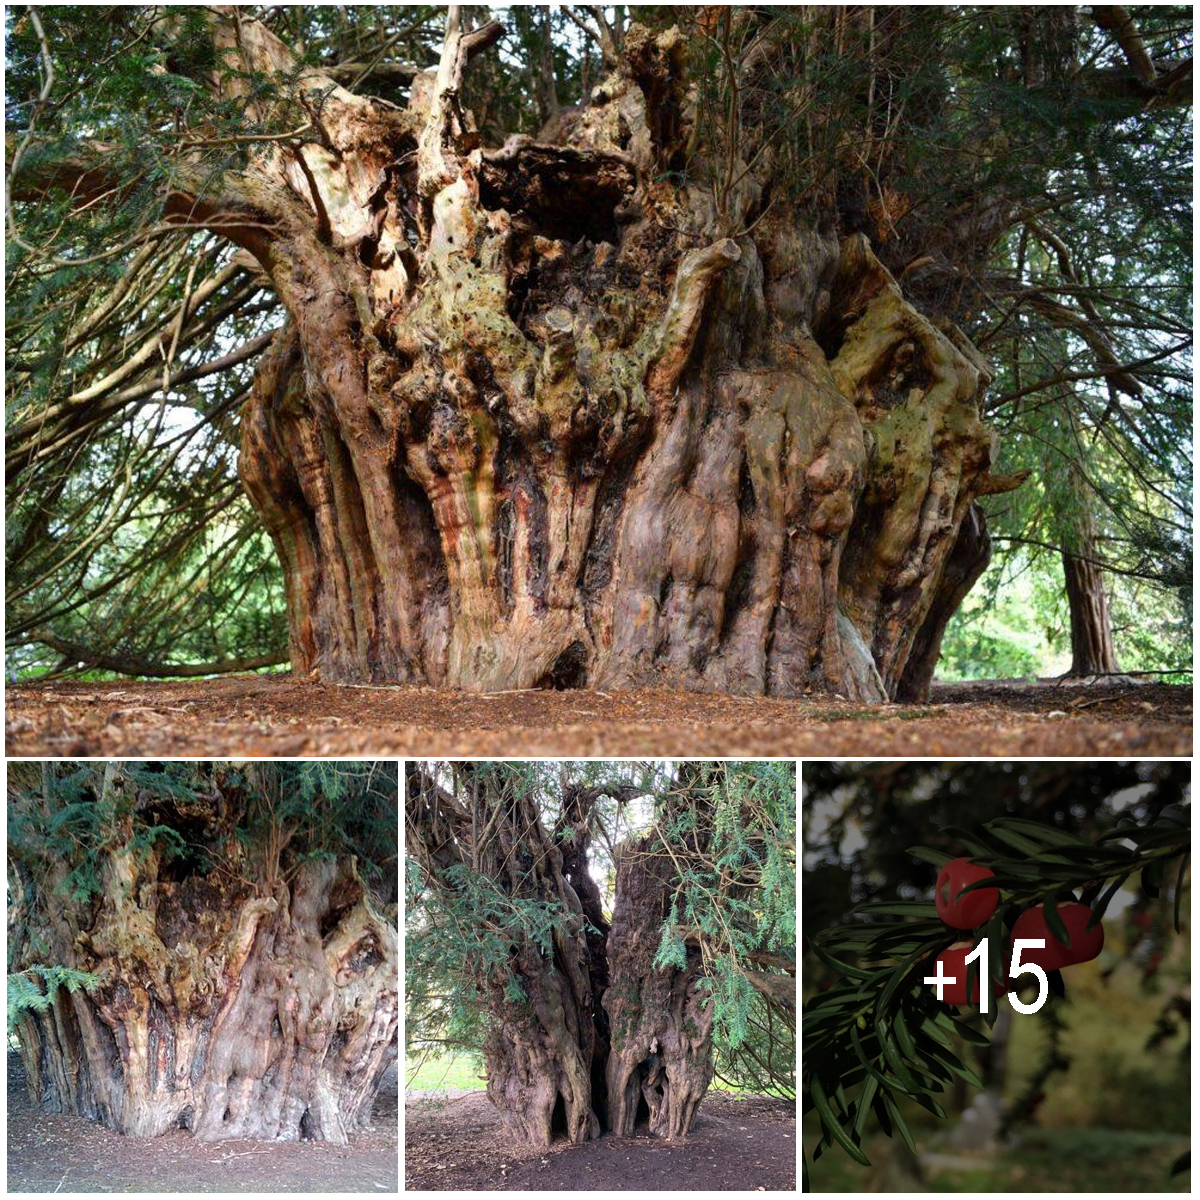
(569, 670)
(558, 1118)
(599, 1092)
(184, 1120)
(306, 1128)
(643, 1110)
(564, 194)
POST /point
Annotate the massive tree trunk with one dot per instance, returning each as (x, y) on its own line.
(585, 1033)
(550, 413)
(964, 565)
(661, 1061)
(229, 1002)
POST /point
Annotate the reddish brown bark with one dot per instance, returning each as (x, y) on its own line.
(661, 1061)
(1092, 649)
(541, 416)
(235, 1007)
(585, 1033)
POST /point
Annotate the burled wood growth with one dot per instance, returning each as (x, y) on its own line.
(229, 1008)
(661, 1061)
(544, 413)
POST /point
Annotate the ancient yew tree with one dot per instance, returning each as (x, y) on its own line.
(664, 382)
(206, 946)
(604, 936)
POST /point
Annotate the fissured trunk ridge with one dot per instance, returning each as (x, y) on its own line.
(221, 1007)
(585, 1033)
(549, 414)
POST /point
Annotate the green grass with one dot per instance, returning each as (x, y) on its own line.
(451, 1073)
(461, 1072)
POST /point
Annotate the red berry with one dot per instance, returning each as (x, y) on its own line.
(1084, 946)
(973, 909)
(955, 966)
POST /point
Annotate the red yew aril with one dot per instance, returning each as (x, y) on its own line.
(1055, 956)
(973, 909)
(955, 965)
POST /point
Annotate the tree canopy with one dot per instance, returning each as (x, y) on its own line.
(1024, 172)
(726, 852)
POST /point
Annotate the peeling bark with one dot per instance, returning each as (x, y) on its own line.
(220, 1009)
(538, 418)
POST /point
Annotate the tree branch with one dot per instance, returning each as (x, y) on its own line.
(133, 665)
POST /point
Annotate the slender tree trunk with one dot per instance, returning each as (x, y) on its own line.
(540, 417)
(1092, 649)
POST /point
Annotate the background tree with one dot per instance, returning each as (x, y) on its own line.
(1049, 831)
(1085, 310)
(207, 946)
(596, 928)
(676, 387)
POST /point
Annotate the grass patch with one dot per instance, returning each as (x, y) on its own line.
(450, 1073)
(461, 1072)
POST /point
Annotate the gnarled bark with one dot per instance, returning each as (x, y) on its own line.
(583, 1030)
(541, 416)
(226, 1007)
(547, 1033)
(661, 1061)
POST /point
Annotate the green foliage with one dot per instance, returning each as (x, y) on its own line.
(739, 896)
(468, 932)
(78, 816)
(672, 949)
(35, 989)
(1081, 1162)
(728, 832)
(880, 1029)
(127, 533)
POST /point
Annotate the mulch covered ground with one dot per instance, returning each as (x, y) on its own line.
(454, 1141)
(260, 716)
(48, 1152)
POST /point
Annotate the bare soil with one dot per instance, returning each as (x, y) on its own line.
(49, 1152)
(267, 715)
(454, 1142)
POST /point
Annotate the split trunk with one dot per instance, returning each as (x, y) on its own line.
(586, 1033)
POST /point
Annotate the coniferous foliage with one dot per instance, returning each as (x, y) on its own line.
(604, 935)
(209, 946)
(845, 246)
(1051, 837)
